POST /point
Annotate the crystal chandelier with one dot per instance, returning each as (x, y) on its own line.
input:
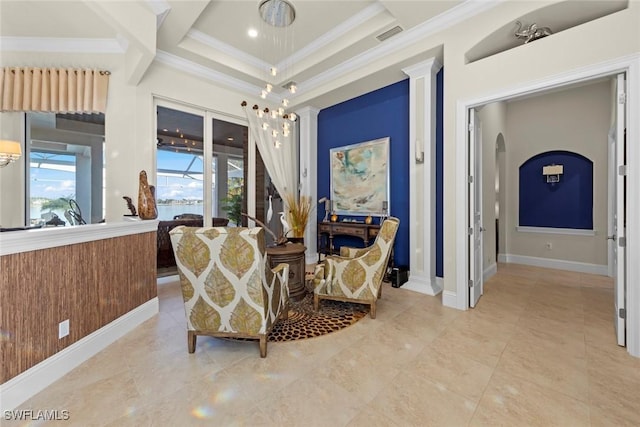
(279, 14)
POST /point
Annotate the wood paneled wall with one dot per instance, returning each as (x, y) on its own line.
(91, 284)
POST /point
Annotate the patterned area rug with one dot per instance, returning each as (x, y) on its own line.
(303, 322)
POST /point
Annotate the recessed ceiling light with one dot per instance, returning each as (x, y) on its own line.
(230, 138)
(253, 33)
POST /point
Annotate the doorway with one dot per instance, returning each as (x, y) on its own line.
(463, 198)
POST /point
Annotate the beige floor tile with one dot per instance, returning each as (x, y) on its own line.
(357, 371)
(614, 397)
(372, 417)
(453, 371)
(312, 401)
(511, 401)
(460, 340)
(537, 338)
(558, 366)
(596, 281)
(413, 400)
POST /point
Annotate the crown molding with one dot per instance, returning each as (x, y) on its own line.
(439, 23)
(218, 77)
(424, 68)
(428, 28)
(61, 45)
(159, 7)
(237, 54)
(333, 34)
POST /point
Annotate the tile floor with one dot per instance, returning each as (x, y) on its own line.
(538, 350)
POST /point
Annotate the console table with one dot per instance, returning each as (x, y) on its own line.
(327, 230)
(292, 254)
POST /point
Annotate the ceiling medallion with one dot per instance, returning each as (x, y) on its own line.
(279, 13)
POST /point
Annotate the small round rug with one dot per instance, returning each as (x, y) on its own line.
(304, 322)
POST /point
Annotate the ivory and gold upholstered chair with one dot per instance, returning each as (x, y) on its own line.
(356, 275)
(227, 287)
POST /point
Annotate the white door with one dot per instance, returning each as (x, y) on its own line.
(618, 238)
(475, 209)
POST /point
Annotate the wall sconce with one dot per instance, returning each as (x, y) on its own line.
(10, 151)
(552, 173)
(419, 152)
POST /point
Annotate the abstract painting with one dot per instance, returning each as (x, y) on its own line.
(360, 177)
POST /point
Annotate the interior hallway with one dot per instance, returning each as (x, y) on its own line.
(538, 350)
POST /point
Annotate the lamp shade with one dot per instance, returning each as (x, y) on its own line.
(10, 151)
(10, 147)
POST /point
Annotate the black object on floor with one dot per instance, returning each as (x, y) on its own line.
(399, 275)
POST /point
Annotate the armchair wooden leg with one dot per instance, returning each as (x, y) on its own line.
(380, 291)
(316, 302)
(191, 341)
(285, 312)
(263, 345)
(372, 311)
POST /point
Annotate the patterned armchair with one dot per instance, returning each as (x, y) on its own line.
(356, 275)
(227, 288)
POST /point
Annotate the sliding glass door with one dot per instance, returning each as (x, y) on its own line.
(196, 179)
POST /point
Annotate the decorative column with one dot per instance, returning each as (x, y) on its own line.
(422, 177)
(308, 120)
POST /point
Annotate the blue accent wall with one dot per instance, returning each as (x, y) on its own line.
(381, 113)
(439, 173)
(378, 114)
(566, 204)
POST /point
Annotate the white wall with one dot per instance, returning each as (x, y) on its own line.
(604, 39)
(575, 120)
(129, 129)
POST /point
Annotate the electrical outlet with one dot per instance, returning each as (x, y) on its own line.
(63, 329)
(549, 246)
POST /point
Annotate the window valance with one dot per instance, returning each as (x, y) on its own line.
(55, 90)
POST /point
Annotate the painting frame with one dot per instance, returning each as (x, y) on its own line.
(351, 166)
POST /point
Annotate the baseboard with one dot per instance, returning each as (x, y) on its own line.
(423, 285)
(558, 264)
(450, 299)
(22, 387)
(489, 271)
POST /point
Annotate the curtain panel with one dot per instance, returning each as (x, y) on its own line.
(279, 153)
(53, 90)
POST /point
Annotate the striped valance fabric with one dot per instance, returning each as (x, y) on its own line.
(55, 90)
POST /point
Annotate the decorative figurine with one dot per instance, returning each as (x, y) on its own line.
(130, 206)
(532, 32)
(146, 198)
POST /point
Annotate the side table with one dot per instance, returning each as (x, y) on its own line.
(292, 254)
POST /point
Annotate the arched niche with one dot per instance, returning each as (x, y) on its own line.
(565, 204)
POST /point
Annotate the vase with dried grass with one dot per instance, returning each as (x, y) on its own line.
(298, 213)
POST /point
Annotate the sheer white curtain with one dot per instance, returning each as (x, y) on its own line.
(55, 90)
(279, 152)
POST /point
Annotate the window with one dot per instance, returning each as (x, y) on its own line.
(66, 168)
(188, 183)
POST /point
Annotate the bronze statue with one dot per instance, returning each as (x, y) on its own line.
(130, 206)
(146, 198)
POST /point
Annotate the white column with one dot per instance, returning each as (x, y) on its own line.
(422, 177)
(308, 119)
